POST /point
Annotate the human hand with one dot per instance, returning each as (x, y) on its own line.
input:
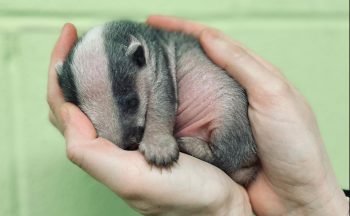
(296, 177)
(191, 187)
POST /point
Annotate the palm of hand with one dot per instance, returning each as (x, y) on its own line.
(292, 159)
(190, 185)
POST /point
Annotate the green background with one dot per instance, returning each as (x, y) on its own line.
(307, 39)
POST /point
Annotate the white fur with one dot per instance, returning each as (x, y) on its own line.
(94, 85)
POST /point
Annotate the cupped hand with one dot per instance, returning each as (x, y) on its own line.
(296, 177)
(191, 187)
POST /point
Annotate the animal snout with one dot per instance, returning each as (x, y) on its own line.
(134, 137)
(139, 133)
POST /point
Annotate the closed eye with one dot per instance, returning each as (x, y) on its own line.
(132, 103)
(129, 103)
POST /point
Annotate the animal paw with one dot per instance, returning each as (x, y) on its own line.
(161, 151)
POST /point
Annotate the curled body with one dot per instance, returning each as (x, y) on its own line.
(157, 91)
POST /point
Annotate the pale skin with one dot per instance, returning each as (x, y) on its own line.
(296, 177)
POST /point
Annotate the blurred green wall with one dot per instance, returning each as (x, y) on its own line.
(307, 39)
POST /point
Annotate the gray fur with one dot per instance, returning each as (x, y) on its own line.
(136, 85)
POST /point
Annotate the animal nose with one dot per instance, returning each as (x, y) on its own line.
(132, 146)
(139, 133)
(134, 137)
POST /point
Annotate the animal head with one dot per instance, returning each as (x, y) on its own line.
(107, 74)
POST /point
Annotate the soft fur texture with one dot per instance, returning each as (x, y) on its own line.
(157, 91)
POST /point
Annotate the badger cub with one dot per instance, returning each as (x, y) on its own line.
(157, 91)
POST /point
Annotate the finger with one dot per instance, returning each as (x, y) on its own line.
(126, 172)
(79, 133)
(53, 121)
(112, 166)
(195, 29)
(237, 61)
(258, 58)
(176, 24)
(77, 126)
(63, 45)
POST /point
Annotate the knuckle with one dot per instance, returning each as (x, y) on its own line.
(146, 208)
(276, 88)
(49, 100)
(208, 30)
(237, 52)
(273, 94)
(74, 154)
(52, 119)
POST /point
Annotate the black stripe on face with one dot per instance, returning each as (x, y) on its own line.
(124, 87)
(122, 68)
(123, 72)
(128, 104)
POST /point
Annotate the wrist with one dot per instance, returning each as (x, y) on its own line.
(330, 201)
(336, 206)
(321, 195)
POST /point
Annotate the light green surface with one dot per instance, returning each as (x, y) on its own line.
(308, 40)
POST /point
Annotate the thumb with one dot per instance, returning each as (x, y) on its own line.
(78, 132)
(99, 157)
(77, 126)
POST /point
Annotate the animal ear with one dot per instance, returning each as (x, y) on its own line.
(136, 52)
(59, 68)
